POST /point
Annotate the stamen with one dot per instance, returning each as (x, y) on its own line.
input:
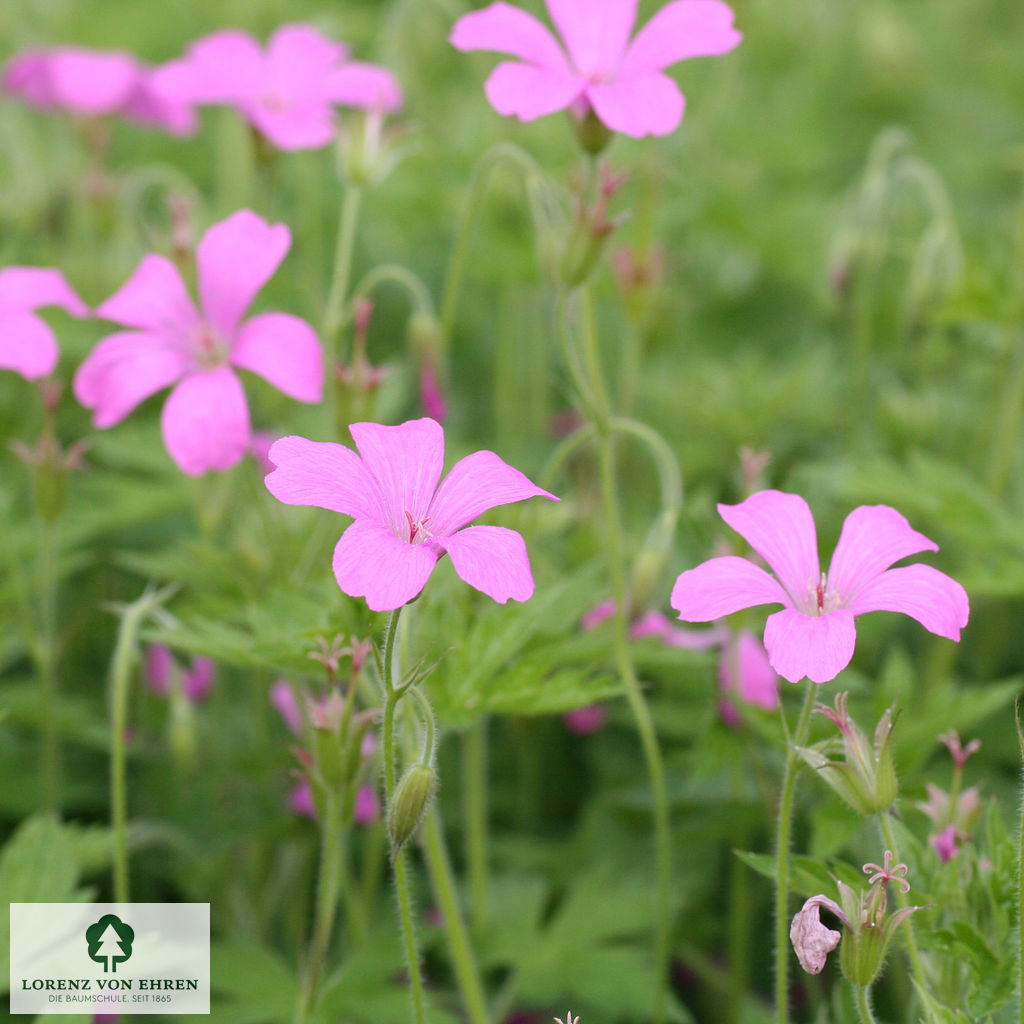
(413, 528)
(821, 594)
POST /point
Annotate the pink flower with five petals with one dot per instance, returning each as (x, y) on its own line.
(94, 83)
(814, 634)
(206, 418)
(600, 69)
(27, 344)
(403, 520)
(289, 92)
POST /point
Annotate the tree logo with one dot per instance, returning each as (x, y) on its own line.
(110, 942)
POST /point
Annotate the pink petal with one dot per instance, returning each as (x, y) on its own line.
(406, 462)
(722, 586)
(812, 941)
(148, 105)
(639, 105)
(285, 351)
(655, 623)
(492, 559)
(357, 84)
(371, 562)
(595, 34)
(939, 603)
(282, 696)
(25, 75)
(326, 475)
(873, 537)
(367, 809)
(123, 370)
(526, 92)
(159, 664)
(780, 528)
(27, 345)
(476, 483)
(301, 125)
(301, 52)
(601, 612)
(300, 800)
(206, 422)
(503, 28)
(91, 82)
(236, 258)
(816, 646)
(154, 299)
(680, 30)
(745, 672)
(23, 288)
(198, 680)
(583, 721)
(222, 68)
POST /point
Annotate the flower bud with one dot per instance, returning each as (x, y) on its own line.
(410, 802)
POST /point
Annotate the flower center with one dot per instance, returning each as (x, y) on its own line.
(418, 532)
(208, 349)
(821, 600)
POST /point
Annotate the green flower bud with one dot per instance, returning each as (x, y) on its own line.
(410, 802)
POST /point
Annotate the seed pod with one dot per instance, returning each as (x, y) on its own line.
(410, 802)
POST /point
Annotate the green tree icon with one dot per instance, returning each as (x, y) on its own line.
(110, 941)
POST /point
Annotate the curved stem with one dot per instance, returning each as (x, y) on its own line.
(334, 310)
(419, 296)
(862, 996)
(916, 964)
(392, 698)
(466, 973)
(782, 834)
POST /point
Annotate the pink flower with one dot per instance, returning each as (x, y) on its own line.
(599, 69)
(367, 809)
(300, 799)
(206, 419)
(92, 83)
(814, 634)
(196, 681)
(745, 672)
(282, 696)
(27, 344)
(584, 721)
(945, 843)
(403, 521)
(289, 92)
(813, 941)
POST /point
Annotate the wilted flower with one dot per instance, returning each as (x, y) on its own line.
(27, 344)
(206, 418)
(403, 521)
(814, 635)
(599, 69)
(288, 92)
(93, 83)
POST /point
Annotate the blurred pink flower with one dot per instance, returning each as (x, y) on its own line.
(431, 394)
(584, 721)
(288, 92)
(745, 672)
(196, 681)
(282, 696)
(599, 69)
(403, 521)
(300, 799)
(945, 843)
(367, 809)
(814, 635)
(92, 83)
(27, 344)
(259, 449)
(205, 419)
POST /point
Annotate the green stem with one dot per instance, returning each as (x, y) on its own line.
(782, 834)
(330, 883)
(612, 533)
(47, 660)
(392, 698)
(466, 973)
(916, 963)
(419, 296)
(1020, 889)
(862, 996)
(474, 816)
(334, 310)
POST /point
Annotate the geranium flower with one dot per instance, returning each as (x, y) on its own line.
(814, 634)
(206, 419)
(27, 344)
(288, 93)
(196, 680)
(599, 69)
(94, 83)
(403, 521)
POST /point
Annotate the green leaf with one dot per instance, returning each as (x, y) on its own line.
(250, 985)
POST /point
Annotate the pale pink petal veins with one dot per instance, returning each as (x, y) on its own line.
(476, 483)
(873, 537)
(154, 299)
(27, 345)
(503, 28)
(722, 586)
(595, 34)
(236, 257)
(406, 461)
(358, 84)
(816, 646)
(492, 559)
(527, 92)
(371, 562)
(780, 528)
(206, 422)
(680, 30)
(91, 82)
(285, 351)
(123, 370)
(649, 104)
(23, 288)
(939, 603)
(326, 475)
